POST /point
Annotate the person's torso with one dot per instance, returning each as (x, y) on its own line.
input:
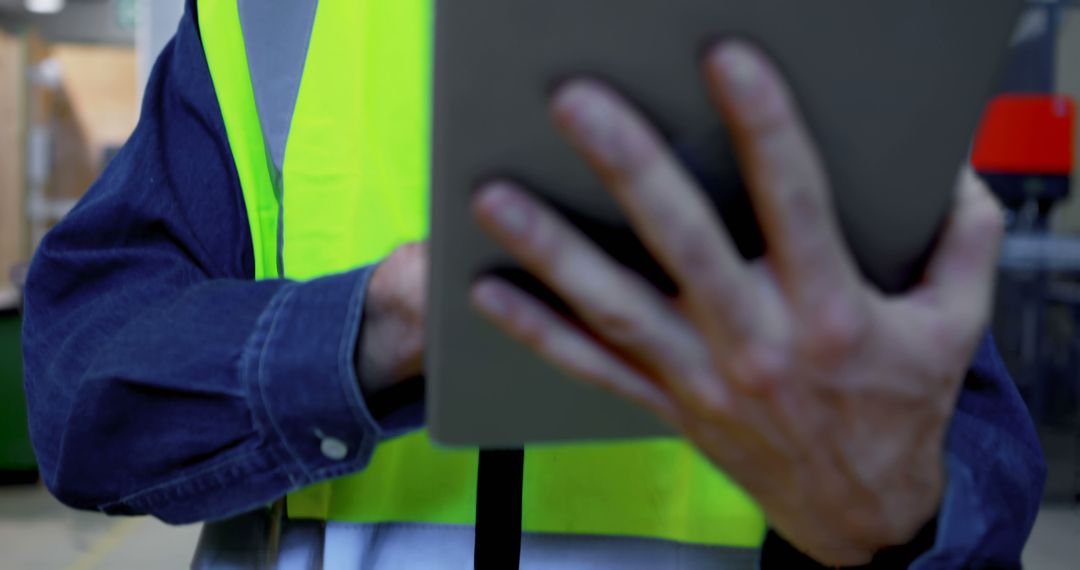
(326, 109)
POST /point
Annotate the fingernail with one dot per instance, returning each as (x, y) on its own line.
(740, 68)
(489, 298)
(590, 118)
(507, 210)
(585, 108)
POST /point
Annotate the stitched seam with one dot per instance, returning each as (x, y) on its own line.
(172, 484)
(263, 378)
(249, 359)
(214, 487)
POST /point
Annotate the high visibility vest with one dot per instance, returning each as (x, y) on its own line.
(347, 184)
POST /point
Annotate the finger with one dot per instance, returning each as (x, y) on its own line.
(676, 222)
(787, 182)
(616, 304)
(959, 281)
(566, 346)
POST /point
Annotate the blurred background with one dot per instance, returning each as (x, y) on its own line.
(71, 74)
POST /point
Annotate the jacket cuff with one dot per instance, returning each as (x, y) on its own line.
(960, 524)
(298, 365)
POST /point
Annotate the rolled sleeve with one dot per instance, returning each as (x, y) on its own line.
(996, 473)
(161, 377)
(299, 366)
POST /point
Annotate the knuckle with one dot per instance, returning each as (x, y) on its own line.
(693, 252)
(643, 157)
(624, 328)
(772, 116)
(734, 306)
(408, 257)
(840, 326)
(530, 327)
(979, 213)
(990, 219)
(761, 368)
(706, 394)
(662, 211)
(953, 337)
(544, 241)
(713, 403)
(802, 204)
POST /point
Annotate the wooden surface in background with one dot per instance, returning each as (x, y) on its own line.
(101, 91)
(94, 107)
(12, 124)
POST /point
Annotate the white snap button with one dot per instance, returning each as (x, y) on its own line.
(333, 448)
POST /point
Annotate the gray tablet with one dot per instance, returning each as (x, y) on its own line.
(891, 90)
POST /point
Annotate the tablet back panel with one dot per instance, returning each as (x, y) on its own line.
(892, 92)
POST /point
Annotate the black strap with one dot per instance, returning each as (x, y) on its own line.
(498, 510)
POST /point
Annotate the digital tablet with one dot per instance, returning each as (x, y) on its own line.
(892, 92)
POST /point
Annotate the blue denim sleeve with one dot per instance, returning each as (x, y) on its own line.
(996, 473)
(161, 378)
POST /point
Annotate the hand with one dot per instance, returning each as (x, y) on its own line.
(826, 400)
(391, 340)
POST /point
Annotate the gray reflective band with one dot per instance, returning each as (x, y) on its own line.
(276, 38)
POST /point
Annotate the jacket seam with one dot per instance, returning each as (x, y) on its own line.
(263, 377)
(177, 483)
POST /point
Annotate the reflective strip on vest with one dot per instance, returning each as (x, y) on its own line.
(355, 173)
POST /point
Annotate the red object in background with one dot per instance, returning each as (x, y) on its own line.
(1027, 134)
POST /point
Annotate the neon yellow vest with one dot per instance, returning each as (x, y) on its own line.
(355, 178)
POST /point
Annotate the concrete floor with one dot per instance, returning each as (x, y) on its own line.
(1055, 542)
(38, 533)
